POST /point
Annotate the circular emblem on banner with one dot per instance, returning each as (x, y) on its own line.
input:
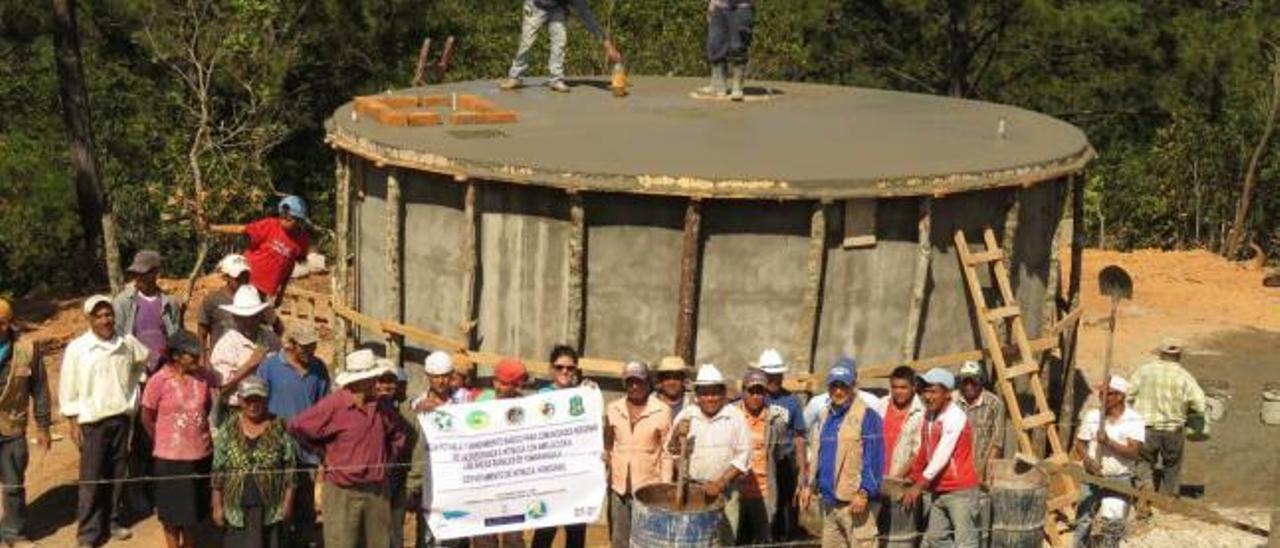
(478, 420)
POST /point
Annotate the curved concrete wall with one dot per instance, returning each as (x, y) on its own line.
(753, 270)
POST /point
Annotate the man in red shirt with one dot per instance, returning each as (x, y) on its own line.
(944, 467)
(275, 245)
(359, 435)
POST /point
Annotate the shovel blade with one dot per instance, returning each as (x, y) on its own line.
(1115, 283)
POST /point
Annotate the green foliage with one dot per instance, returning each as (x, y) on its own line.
(1172, 93)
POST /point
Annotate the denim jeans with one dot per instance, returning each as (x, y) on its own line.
(729, 32)
(953, 520)
(534, 19)
(1112, 528)
(13, 471)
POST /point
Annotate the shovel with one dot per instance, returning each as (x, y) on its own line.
(1115, 283)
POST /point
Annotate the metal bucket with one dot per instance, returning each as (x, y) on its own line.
(1271, 404)
(901, 527)
(1018, 502)
(656, 524)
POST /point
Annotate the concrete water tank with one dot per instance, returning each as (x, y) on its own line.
(660, 223)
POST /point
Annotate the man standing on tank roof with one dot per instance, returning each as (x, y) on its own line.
(729, 28)
(552, 14)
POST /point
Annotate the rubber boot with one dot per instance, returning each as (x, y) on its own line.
(717, 86)
(738, 74)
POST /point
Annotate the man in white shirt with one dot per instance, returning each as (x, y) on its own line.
(240, 351)
(719, 440)
(1111, 452)
(98, 391)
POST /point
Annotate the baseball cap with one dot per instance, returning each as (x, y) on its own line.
(302, 333)
(438, 363)
(510, 371)
(755, 377)
(233, 265)
(843, 371)
(294, 207)
(1118, 384)
(635, 370)
(252, 385)
(93, 302)
(970, 370)
(941, 377)
(144, 261)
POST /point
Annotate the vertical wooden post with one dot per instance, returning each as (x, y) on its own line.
(469, 263)
(691, 249)
(1067, 411)
(924, 258)
(1052, 290)
(1007, 239)
(574, 320)
(342, 329)
(393, 252)
(815, 268)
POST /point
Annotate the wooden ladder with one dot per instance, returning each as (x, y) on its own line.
(1063, 489)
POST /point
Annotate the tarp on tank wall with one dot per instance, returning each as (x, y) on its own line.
(753, 280)
(633, 253)
(434, 228)
(524, 269)
(866, 290)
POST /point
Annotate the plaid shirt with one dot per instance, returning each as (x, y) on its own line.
(986, 418)
(1163, 392)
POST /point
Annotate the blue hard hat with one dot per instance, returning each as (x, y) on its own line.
(294, 207)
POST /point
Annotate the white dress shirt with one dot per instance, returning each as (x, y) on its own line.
(101, 378)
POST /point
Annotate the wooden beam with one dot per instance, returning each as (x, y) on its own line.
(574, 320)
(815, 269)
(393, 252)
(342, 334)
(924, 259)
(1067, 411)
(691, 250)
(470, 261)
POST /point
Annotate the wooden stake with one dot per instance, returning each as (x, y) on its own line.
(342, 335)
(924, 258)
(1052, 287)
(686, 317)
(1007, 238)
(1067, 411)
(469, 262)
(814, 271)
(392, 252)
(574, 320)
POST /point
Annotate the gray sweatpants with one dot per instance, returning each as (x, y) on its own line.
(534, 19)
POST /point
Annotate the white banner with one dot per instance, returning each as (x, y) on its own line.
(515, 464)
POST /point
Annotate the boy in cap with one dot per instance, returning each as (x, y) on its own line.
(1164, 393)
(1110, 450)
(944, 467)
(144, 310)
(846, 457)
(634, 427)
(758, 487)
(986, 415)
(213, 321)
(719, 442)
(275, 245)
(24, 384)
(792, 462)
(100, 381)
(359, 435)
(296, 380)
(552, 15)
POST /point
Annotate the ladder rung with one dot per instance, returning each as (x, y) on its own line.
(1036, 421)
(988, 256)
(1020, 370)
(996, 314)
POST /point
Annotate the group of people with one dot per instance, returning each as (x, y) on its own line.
(730, 27)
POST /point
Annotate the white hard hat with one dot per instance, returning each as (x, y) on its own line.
(439, 363)
(708, 375)
(771, 362)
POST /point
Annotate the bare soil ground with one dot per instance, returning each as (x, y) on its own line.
(1231, 322)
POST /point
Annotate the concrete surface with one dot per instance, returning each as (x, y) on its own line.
(807, 141)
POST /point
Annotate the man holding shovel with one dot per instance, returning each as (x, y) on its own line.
(1108, 450)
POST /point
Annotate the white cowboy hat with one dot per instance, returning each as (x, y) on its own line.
(771, 362)
(247, 302)
(361, 365)
(709, 375)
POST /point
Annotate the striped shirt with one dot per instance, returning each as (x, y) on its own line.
(1163, 392)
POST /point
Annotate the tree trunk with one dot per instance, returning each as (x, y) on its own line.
(1235, 239)
(93, 202)
(960, 39)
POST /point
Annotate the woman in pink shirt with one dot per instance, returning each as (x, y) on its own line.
(175, 411)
